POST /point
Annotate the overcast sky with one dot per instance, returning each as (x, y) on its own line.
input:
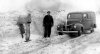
(19, 5)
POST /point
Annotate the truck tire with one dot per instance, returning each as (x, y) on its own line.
(73, 35)
(79, 32)
(95, 26)
(60, 33)
(92, 30)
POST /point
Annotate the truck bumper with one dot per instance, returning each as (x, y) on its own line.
(68, 32)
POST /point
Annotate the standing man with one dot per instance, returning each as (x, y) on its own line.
(47, 23)
(27, 24)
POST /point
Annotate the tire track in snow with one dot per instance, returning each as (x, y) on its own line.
(26, 48)
(31, 48)
(36, 49)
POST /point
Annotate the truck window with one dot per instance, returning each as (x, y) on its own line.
(85, 16)
(75, 15)
(68, 16)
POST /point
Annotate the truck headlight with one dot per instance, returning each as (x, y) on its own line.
(74, 26)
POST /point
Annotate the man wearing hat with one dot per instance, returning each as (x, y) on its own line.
(47, 24)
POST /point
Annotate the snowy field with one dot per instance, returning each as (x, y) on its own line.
(12, 43)
(85, 44)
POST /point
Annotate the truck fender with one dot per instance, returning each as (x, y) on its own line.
(78, 26)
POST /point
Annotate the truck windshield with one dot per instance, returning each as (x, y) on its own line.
(75, 15)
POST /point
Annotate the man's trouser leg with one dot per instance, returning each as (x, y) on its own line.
(22, 30)
(45, 32)
(27, 32)
(49, 31)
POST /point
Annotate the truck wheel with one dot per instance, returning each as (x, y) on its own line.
(60, 33)
(73, 35)
(79, 33)
(92, 30)
(94, 25)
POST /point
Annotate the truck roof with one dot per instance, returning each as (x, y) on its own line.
(91, 14)
(88, 12)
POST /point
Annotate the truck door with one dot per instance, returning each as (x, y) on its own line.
(86, 21)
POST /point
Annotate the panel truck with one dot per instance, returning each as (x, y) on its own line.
(78, 23)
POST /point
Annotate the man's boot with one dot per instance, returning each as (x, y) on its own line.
(27, 40)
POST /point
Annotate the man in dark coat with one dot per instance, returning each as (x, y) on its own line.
(47, 23)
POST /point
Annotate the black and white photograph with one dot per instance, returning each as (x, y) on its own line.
(49, 26)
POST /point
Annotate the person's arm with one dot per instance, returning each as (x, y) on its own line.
(44, 21)
(52, 21)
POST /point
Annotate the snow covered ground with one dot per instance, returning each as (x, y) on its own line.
(85, 44)
(12, 43)
(57, 45)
